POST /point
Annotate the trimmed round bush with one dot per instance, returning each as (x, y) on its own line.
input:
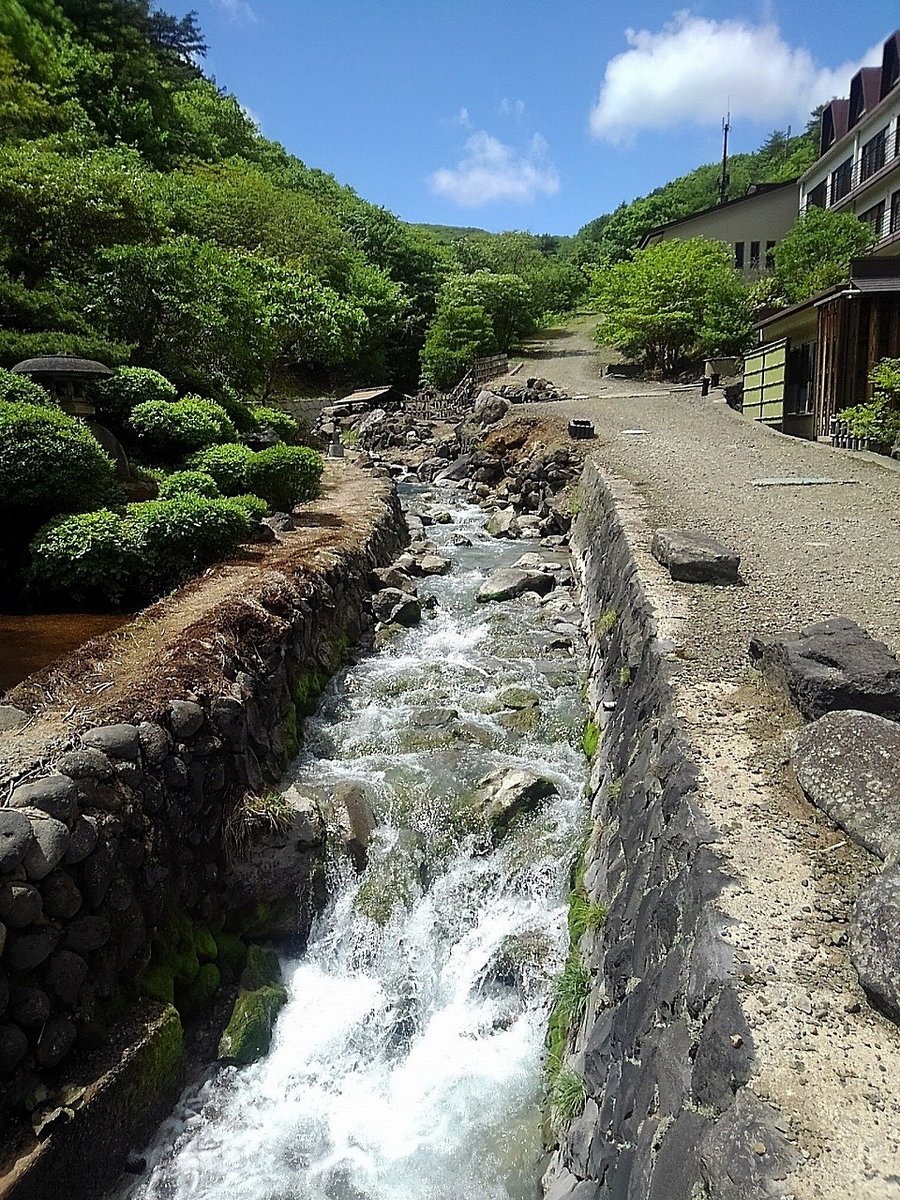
(189, 483)
(254, 506)
(49, 463)
(20, 389)
(275, 421)
(228, 464)
(178, 537)
(174, 429)
(118, 394)
(86, 557)
(237, 408)
(285, 475)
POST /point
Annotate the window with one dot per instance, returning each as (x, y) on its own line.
(895, 212)
(770, 256)
(816, 197)
(874, 217)
(739, 255)
(872, 157)
(754, 256)
(841, 178)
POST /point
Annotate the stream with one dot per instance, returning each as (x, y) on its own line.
(408, 1061)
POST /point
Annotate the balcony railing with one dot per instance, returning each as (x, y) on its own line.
(864, 172)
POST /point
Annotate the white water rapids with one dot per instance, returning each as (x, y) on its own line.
(405, 1066)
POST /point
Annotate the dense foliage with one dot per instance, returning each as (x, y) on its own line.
(816, 253)
(878, 419)
(673, 302)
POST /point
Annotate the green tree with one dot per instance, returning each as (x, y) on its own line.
(506, 299)
(816, 253)
(672, 302)
(459, 335)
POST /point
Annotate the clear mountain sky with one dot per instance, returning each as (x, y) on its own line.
(528, 114)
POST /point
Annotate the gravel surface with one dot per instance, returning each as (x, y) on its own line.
(824, 1057)
(808, 552)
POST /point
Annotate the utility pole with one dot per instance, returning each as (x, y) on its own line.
(723, 178)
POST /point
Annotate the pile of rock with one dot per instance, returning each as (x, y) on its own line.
(540, 475)
(395, 604)
(533, 390)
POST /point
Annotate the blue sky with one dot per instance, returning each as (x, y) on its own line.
(522, 114)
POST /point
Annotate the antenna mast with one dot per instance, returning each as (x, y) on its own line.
(724, 179)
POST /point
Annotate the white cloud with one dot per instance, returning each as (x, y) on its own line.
(490, 170)
(694, 68)
(239, 10)
(463, 119)
(512, 108)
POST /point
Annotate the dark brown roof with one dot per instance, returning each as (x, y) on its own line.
(61, 364)
(367, 394)
(835, 122)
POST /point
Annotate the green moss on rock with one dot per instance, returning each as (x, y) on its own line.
(154, 1068)
(232, 955)
(248, 1034)
(591, 739)
(201, 993)
(262, 968)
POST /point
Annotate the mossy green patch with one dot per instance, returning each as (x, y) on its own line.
(606, 622)
(624, 676)
(248, 1034)
(262, 968)
(155, 1068)
(181, 949)
(201, 993)
(232, 954)
(590, 739)
(289, 733)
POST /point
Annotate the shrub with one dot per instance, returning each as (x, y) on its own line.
(172, 430)
(238, 410)
(86, 557)
(118, 395)
(274, 420)
(49, 463)
(188, 483)
(178, 537)
(19, 389)
(228, 464)
(285, 475)
(255, 507)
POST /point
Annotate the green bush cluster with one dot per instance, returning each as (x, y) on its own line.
(20, 389)
(273, 421)
(49, 463)
(171, 429)
(152, 547)
(282, 475)
(189, 483)
(119, 394)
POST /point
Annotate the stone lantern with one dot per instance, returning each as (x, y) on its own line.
(64, 377)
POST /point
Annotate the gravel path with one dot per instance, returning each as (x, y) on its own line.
(826, 1060)
(807, 552)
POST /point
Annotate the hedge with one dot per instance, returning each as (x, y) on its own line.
(86, 557)
(228, 464)
(285, 475)
(119, 394)
(180, 536)
(173, 429)
(20, 389)
(275, 421)
(189, 483)
(50, 463)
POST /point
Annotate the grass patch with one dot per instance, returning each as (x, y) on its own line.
(624, 676)
(614, 791)
(567, 1097)
(584, 914)
(606, 622)
(590, 739)
(570, 999)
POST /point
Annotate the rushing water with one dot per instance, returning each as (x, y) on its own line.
(407, 1064)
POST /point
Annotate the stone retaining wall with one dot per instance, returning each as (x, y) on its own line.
(662, 1044)
(126, 857)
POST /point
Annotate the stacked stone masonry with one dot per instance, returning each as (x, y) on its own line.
(106, 836)
(663, 1047)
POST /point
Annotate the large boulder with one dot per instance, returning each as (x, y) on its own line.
(875, 940)
(695, 558)
(848, 765)
(508, 793)
(15, 838)
(55, 795)
(355, 818)
(490, 408)
(833, 664)
(503, 524)
(508, 582)
(391, 606)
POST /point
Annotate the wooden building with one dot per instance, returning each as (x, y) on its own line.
(814, 359)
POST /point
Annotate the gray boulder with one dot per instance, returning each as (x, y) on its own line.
(186, 718)
(875, 940)
(87, 763)
(833, 664)
(49, 844)
(503, 524)
(391, 606)
(848, 765)
(118, 741)
(11, 718)
(394, 577)
(82, 841)
(15, 838)
(20, 904)
(508, 582)
(356, 820)
(29, 950)
(434, 564)
(507, 793)
(695, 558)
(490, 408)
(62, 899)
(56, 795)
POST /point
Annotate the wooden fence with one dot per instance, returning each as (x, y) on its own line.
(453, 406)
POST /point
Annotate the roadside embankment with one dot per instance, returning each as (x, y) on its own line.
(135, 807)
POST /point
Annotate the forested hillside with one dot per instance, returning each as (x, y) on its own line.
(614, 236)
(144, 218)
